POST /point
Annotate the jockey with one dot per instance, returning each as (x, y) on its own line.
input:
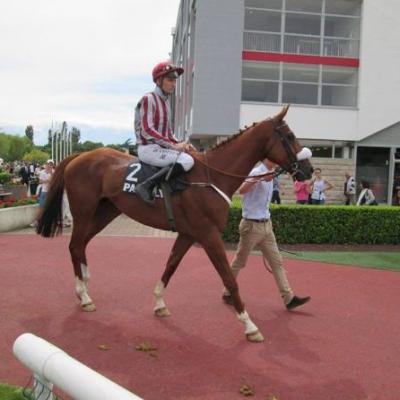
(157, 144)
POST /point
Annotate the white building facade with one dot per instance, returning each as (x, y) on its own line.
(336, 62)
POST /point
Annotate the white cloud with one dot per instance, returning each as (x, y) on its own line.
(82, 61)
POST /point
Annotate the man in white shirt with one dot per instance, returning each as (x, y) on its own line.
(256, 229)
(350, 189)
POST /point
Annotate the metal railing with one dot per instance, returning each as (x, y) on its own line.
(300, 44)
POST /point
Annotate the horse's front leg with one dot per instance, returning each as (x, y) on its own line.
(181, 246)
(215, 249)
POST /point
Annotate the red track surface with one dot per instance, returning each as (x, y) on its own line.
(343, 345)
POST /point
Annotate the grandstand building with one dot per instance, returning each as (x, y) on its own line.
(335, 61)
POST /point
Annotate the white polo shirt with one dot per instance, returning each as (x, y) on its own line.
(255, 203)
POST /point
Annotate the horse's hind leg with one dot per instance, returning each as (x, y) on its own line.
(181, 246)
(105, 213)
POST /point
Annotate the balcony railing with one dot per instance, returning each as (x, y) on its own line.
(298, 44)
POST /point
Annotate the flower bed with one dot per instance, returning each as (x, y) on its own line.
(12, 201)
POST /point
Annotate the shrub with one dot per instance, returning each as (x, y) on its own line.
(5, 178)
(13, 202)
(327, 224)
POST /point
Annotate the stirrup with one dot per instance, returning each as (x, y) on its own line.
(145, 191)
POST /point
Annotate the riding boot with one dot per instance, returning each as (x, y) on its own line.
(146, 188)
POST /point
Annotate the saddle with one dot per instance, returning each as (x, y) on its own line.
(138, 172)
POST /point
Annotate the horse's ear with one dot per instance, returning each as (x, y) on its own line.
(281, 115)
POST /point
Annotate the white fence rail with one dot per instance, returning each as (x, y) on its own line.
(51, 365)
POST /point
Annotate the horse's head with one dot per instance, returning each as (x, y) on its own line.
(285, 150)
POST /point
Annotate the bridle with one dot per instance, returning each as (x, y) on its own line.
(292, 167)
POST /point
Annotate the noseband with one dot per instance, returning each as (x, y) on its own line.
(292, 167)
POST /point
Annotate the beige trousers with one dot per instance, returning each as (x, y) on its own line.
(261, 234)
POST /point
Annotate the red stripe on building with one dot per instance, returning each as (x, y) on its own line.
(300, 59)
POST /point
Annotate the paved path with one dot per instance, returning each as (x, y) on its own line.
(342, 345)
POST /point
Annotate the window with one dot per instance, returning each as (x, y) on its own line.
(314, 6)
(260, 20)
(343, 96)
(260, 91)
(305, 24)
(260, 70)
(271, 4)
(300, 73)
(321, 151)
(299, 93)
(343, 7)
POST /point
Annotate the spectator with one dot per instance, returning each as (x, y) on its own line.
(366, 197)
(350, 189)
(24, 174)
(276, 198)
(319, 186)
(302, 191)
(396, 198)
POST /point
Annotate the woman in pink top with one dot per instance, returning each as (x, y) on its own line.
(302, 190)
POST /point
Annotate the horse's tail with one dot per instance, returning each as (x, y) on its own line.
(49, 223)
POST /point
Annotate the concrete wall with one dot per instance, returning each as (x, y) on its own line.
(17, 217)
(218, 66)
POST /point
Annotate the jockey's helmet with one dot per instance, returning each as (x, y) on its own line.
(166, 68)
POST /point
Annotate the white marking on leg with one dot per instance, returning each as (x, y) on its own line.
(85, 272)
(250, 326)
(158, 295)
(81, 291)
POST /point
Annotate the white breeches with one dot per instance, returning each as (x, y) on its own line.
(156, 155)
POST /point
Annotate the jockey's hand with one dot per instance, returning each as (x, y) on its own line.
(182, 146)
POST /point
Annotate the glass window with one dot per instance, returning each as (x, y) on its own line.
(260, 91)
(299, 93)
(343, 7)
(272, 4)
(321, 151)
(342, 27)
(342, 96)
(259, 20)
(260, 70)
(338, 152)
(305, 24)
(300, 72)
(304, 5)
(341, 75)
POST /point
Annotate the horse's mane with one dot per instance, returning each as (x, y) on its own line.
(233, 137)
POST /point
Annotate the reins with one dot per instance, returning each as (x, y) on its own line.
(274, 173)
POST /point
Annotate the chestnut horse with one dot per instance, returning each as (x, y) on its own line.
(94, 181)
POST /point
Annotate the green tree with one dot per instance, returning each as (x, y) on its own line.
(88, 145)
(76, 135)
(36, 155)
(13, 148)
(29, 132)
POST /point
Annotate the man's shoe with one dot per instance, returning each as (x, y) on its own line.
(297, 301)
(227, 298)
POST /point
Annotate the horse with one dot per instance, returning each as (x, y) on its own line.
(93, 181)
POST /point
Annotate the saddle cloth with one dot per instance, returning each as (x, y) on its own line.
(138, 172)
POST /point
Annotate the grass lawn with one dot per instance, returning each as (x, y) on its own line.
(11, 393)
(378, 260)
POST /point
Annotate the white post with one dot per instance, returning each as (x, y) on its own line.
(51, 364)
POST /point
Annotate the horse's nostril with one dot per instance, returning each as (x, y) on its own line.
(311, 169)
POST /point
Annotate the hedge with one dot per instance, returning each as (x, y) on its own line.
(326, 224)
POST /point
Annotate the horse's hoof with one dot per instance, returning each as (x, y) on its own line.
(255, 337)
(90, 307)
(162, 312)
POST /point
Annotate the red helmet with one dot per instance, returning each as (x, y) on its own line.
(165, 68)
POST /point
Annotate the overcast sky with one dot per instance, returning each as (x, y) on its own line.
(86, 62)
